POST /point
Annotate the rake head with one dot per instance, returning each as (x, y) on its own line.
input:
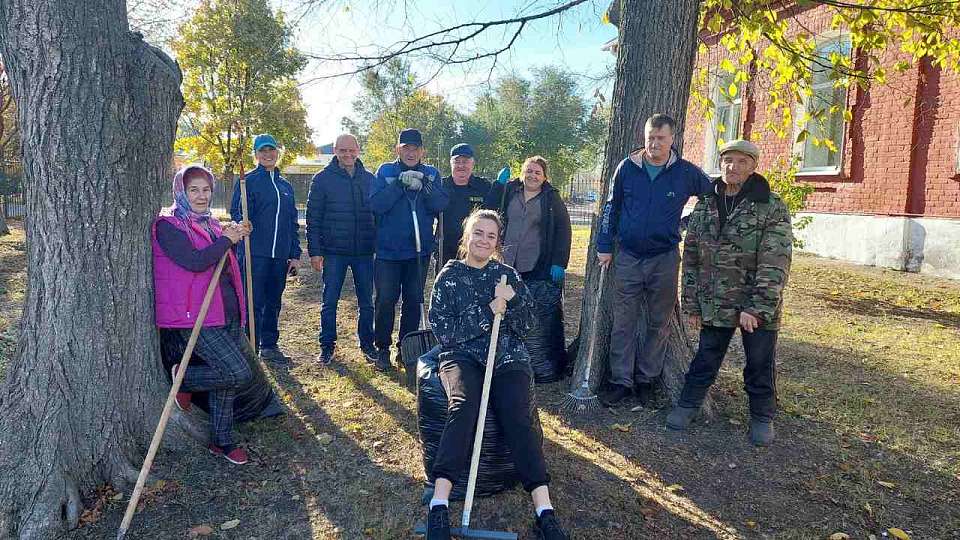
(467, 532)
(580, 403)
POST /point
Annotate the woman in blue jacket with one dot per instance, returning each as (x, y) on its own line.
(274, 246)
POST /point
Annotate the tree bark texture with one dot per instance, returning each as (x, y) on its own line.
(97, 110)
(656, 53)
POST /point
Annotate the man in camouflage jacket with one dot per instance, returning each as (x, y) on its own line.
(736, 261)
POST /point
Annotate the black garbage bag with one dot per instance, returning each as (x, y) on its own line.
(496, 472)
(255, 400)
(545, 341)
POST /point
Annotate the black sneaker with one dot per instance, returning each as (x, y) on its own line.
(369, 351)
(325, 358)
(274, 356)
(613, 395)
(438, 523)
(383, 361)
(644, 393)
(547, 527)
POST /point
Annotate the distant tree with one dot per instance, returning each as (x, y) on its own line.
(436, 119)
(382, 90)
(239, 79)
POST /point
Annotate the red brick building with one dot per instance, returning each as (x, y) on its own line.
(890, 193)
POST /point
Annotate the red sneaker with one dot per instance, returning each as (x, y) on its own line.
(184, 399)
(237, 456)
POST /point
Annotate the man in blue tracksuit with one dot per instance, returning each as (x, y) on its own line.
(402, 189)
(642, 214)
(274, 244)
(340, 235)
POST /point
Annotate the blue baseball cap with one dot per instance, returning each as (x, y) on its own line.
(462, 149)
(410, 136)
(264, 139)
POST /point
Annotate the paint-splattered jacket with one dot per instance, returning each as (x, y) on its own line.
(462, 320)
(742, 267)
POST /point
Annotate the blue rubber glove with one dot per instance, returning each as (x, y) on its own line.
(556, 274)
(503, 176)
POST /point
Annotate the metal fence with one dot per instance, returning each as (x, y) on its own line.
(582, 196)
(14, 206)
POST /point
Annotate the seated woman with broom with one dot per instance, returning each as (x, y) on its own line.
(187, 245)
(467, 294)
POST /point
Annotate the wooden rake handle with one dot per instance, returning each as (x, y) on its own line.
(482, 418)
(248, 262)
(168, 406)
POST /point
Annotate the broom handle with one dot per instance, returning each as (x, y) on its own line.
(593, 330)
(248, 261)
(168, 406)
(482, 418)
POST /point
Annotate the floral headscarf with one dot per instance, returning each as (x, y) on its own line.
(181, 205)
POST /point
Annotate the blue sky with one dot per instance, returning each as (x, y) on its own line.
(572, 41)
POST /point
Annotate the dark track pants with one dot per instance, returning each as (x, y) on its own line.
(269, 281)
(759, 374)
(393, 280)
(510, 401)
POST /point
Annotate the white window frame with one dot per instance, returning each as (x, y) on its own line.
(799, 148)
(711, 163)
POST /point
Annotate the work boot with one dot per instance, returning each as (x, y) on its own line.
(644, 393)
(613, 395)
(761, 432)
(547, 527)
(325, 358)
(274, 356)
(383, 361)
(438, 523)
(369, 351)
(680, 417)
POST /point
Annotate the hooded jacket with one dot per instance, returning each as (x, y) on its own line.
(743, 266)
(394, 205)
(644, 214)
(339, 218)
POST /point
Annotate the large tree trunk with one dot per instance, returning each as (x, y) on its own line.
(97, 110)
(657, 48)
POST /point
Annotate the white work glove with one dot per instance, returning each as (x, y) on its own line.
(412, 180)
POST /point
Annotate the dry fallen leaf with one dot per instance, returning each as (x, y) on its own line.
(888, 485)
(868, 508)
(324, 438)
(674, 488)
(621, 427)
(898, 533)
(227, 525)
(839, 536)
(751, 524)
(648, 512)
(200, 530)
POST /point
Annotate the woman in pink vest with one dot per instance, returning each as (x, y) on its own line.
(187, 245)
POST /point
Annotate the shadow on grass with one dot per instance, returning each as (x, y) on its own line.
(872, 307)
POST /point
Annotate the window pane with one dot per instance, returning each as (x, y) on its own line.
(827, 127)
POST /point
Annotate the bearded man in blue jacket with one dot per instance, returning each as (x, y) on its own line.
(406, 197)
(274, 247)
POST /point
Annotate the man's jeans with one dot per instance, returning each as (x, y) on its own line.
(759, 373)
(650, 282)
(393, 279)
(334, 274)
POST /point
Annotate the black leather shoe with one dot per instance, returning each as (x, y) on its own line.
(614, 395)
(369, 351)
(438, 523)
(383, 361)
(274, 356)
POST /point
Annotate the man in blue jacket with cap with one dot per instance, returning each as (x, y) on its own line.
(274, 244)
(406, 198)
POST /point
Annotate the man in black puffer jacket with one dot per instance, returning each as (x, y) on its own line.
(340, 234)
